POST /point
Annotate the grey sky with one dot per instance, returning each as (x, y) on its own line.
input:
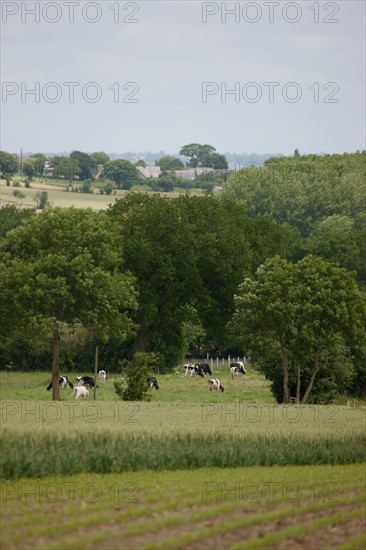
(181, 68)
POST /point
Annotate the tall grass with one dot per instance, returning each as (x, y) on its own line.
(30, 454)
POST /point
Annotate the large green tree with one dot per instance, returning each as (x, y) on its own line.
(198, 155)
(122, 172)
(169, 163)
(189, 255)
(295, 316)
(87, 164)
(9, 164)
(61, 269)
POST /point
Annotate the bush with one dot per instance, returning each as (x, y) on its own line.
(136, 373)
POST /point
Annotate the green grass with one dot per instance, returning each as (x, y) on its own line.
(174, 388)
(184, 427)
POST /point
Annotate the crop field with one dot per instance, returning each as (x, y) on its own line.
(190, 469)
(58, 196)
(282, 508)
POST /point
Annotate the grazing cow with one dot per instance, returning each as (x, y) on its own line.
(237, 368)
(102, 375)
(204, 367)
(153, 383)
(214, 385)
(191, 370)
(64, 383)
(85, 381)
(80, 391)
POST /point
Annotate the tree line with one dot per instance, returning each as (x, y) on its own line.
(119, 174)
(189, 275)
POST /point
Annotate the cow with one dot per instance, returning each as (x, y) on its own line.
(237, 368)
(85, 381)
(204, 367)
(102, 375)
(80, 391)
(215, 385)
(192, 370)
(64, 383)
(153, 383)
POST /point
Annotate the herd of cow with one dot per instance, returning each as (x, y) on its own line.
(214, 384)
(84, 383)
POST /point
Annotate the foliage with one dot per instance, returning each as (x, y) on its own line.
(136, 372)
(302, 191)
(169, 163)
(87, 165)
(100, 158)
(29, 168)
(298, 320)
(122, 172)
(66, 167)
(9, 164)
(11, 217)
(63, 268)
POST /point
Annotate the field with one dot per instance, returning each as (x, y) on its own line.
(58, 196)
(189, 469)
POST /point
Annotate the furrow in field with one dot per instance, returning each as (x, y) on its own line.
(176, 530)
(307, 525)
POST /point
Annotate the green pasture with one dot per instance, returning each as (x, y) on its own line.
(174, 387)
(184, 426)
(207, 508)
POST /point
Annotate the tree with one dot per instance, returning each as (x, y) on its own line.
(197, 154)
(169, 163)
(29, 168)
(100, 158)
(19, 195)
(11, 217)
(295, 315)
(66, 167)
(87, 165)
(61, 269)
(40, 160)
(218, 162)
(213, 240)
(9, 164)
(122, 172)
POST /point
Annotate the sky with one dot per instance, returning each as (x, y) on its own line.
(113, 76)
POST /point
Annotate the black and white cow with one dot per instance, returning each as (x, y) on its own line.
(64, 383)
(204, 367)
(85, 381)
(153, 383)
(215, 385)
(237, 368)
(102, 375)
(192, 370)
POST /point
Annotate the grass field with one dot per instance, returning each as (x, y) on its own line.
(189, 469)
(58, 196)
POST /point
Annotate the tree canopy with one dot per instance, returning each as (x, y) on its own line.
(61, 269)
(298, 319)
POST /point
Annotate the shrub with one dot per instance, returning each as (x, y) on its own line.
(136, 373)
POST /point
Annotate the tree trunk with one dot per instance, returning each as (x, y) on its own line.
(311, 382)
(142, 339)
(284, 361)
(298, 384)
(56, 367)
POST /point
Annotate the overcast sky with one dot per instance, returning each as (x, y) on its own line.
(155, 75)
